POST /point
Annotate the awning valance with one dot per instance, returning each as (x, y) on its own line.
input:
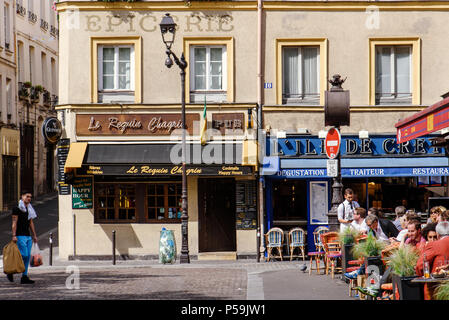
(431, 119)
(75, 156)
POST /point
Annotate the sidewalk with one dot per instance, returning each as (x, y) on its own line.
(199, 280)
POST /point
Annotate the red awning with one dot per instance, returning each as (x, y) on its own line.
(431, 119)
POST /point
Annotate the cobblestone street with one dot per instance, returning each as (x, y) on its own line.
(136, 280)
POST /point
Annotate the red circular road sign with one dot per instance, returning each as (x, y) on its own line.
(332, 143)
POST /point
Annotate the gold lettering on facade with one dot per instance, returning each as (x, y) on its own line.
(159, 124)
(143, 20)
(94, 125)
(110, 24)
(124, 125)
(152, 171)
(133, 169)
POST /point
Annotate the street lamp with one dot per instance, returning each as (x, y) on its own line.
(168, 31)
(336, 113)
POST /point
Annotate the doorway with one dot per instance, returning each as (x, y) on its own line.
(27, 158)
(216, 215)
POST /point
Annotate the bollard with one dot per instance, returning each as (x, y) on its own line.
(51, 249)
(113, 247)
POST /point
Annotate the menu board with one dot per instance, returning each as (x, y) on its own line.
(82, 195)
(246, 205)
(62, 153)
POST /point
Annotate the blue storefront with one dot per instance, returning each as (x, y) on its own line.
(381, 172)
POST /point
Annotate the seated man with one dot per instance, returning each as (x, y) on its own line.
(359, 220)
(414, 234)
(400, 211)
(382, 229)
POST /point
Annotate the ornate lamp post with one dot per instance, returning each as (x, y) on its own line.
(336, 114)
(168, 31)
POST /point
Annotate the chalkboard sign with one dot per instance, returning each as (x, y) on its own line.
(82, 193)
(246, 205)
(62, 152)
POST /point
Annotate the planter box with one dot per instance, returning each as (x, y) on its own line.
(376, 261)
(346, 256)
(406, 289)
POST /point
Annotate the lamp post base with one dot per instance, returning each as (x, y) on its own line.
(185, 258)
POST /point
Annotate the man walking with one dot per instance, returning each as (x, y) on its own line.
(345, 210)
(22, 222)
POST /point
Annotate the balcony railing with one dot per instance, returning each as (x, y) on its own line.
(54, 100)
(44, 24)
(32, 17)
(21, 10)
(46, 98)
(54, 31)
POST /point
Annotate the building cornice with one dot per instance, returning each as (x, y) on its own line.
(252, 5)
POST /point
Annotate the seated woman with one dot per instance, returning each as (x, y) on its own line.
(429, 233)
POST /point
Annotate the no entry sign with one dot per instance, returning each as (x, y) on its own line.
(332, 143)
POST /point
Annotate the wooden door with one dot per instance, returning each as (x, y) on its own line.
(216, 215)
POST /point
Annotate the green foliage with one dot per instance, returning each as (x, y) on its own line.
(348, 235)
(371, 247)
(403, 261)
(442, 292)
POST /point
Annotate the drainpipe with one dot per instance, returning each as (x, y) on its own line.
(260, 229)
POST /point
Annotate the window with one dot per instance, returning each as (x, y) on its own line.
(30, 5)
(7, 28)
(138, 202)
(43, 9)
(116, 70)
(54, 89)
(395, 71)
(163, 201)
(31, 64)
(20, 60)
(300, 74)
(44, 69)
(208, 76)
(116, 73)
(393, 74)
(115, 202)
(8, 99)
(210, 69)
(301, 71)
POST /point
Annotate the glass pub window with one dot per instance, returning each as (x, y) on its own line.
(116, 202)
(163, 201)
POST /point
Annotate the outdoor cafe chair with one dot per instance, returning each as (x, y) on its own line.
(332, 249)
(317, 255)
(274, 240)
(296, 236)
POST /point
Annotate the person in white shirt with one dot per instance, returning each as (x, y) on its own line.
(345, 210)
(359, 223)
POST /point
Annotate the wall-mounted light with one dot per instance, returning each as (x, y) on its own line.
(363, 134)
(322, 134)
(281, 134)
(303, 131)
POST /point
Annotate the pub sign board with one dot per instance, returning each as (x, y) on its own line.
(82, 193)
(52, 130)
(133, 124)
(164, 170)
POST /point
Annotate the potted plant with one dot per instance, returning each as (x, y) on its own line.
(370, 249)
(402, 263)
(27, 84)
(347, 238)
(442, 292)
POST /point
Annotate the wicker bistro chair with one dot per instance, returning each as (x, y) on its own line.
(274, 239)
(332, 249)
(296, 236)
(317, 255)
